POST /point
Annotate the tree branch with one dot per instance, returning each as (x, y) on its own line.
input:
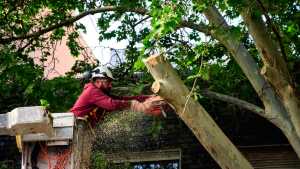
(274, 28)
(22, 48)
(142, 20)
(273, 106)
(275, 68)
(198, 27)
(189, 24)
(235, 101)
(267, 47)
(72, 20)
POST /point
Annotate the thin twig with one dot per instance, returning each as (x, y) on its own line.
(194, 84)
(189, 95)
(142, 20)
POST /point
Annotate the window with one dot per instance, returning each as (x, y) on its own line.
(170, 164)
(157, 159)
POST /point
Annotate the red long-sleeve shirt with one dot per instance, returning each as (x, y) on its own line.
(93, 97)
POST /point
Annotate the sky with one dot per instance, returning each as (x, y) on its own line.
(102, 51)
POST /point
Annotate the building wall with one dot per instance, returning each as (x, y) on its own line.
(60, 60)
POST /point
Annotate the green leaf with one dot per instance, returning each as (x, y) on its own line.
(29, 89)
(139, 64)
(44, 103)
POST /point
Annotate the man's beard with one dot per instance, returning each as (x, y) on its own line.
(106, 90)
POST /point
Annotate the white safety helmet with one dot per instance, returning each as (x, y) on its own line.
(102, 72)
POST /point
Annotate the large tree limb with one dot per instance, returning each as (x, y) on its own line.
(273, 106)
(167, 85)
(246, 62)
(287, 94)
(274, 28)
(267, 47)
(275, 68)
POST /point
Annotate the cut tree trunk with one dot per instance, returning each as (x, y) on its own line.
(169, 86)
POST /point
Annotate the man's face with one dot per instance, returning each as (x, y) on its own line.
(104, 84)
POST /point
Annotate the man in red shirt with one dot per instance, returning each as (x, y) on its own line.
(95, 100)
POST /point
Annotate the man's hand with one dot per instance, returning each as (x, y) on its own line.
(151, 106)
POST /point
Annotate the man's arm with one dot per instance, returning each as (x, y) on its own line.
(107, 102)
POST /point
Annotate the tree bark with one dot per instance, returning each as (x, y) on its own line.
(274, 109)
(275, 68)
(167, 84)
(272, 105)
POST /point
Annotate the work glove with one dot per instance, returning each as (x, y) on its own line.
(158, 106)
(150, 106)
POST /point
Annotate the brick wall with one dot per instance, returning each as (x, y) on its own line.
(132, 133)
